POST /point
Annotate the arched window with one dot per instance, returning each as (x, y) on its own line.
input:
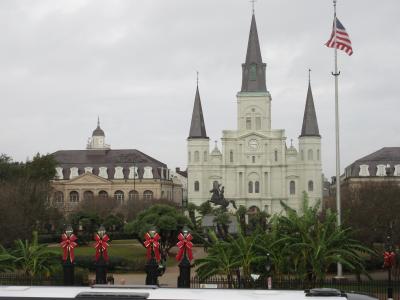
(253, 159)
(205, 155)
(257, 187)
(59, 197)
(133, 195)
(189, 156)
(88, 195)
(302, 155)
(196, 156)
(248, 123)
(292, 187)
(103, 194)
(253, 72)
(231, 156)
(74, 196)
(119, 196)
(318, 155)
(196, 186)
(310, 154)
(258, 123)
(276, 155)
(250, 186)
(310, 186)
(148, 195)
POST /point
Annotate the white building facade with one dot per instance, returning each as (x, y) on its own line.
(255, 166)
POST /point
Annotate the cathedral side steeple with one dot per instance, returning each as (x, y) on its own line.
(197, 126)
(310, 124)
(253, 70)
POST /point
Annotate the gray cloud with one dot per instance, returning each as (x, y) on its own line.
(62, 63)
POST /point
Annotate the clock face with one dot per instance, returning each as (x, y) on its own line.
(253, 144)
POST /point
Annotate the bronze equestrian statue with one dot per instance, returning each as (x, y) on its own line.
(218, 198)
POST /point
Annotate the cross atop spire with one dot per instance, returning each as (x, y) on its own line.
(252, 5)
(197, 78)
(309, 76)
(98, 121)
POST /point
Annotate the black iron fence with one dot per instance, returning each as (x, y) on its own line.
(53, 280)
(376, 288)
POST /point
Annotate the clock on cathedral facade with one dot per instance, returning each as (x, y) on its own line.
(255, 165)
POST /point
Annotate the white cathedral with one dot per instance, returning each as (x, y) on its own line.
(255, 166)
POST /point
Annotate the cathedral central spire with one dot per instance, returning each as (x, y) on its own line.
(253, 70)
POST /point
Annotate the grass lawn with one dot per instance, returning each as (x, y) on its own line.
(128, 249)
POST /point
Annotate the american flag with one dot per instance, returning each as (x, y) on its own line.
(342, 39)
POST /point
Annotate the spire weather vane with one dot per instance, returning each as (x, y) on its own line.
(309, 75)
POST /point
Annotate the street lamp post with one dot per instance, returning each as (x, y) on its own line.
(268, 268)
(101, 255)
(389, 259)
(68, 244)
(185, 256)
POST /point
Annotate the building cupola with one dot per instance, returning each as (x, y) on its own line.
(97, 141)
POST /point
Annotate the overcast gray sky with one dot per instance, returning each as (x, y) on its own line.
(133, 63)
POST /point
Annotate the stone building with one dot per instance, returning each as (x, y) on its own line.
(99, 171)
(255, 165)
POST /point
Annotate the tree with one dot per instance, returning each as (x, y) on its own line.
(301, 243)
(221, 260)
(166, 219)
(316, 244)
(24, 194)
(368, 208)
(33, 259)
(101, 206)
(241, 215)
(6, 260)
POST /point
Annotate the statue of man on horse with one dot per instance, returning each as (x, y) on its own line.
(218, 197)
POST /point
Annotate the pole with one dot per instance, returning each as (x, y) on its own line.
(336, 75)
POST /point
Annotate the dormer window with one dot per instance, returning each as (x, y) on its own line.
(381, 170)
(364, 170)
(253, 72)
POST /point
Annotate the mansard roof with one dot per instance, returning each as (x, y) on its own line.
(310, 123)
(197, 126)
(110, 159)
(384, 156)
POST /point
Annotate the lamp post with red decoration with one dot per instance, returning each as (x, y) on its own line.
(68, 245)
(184, 256)
(101, 257)
(389, 258)
(152, 245)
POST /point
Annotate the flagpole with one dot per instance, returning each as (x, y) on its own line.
(336, 75)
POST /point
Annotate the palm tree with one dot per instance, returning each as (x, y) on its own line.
(6, 260)
(221, 260)
(317, 243)
(32, 258)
